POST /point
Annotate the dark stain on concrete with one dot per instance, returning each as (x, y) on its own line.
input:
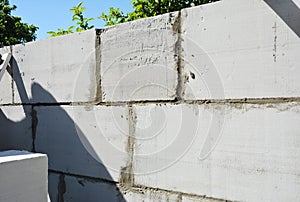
(61, 188)
(34, 123)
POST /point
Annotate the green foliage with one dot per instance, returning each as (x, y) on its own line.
(142, 9)
(82, 23)
(12, 30)
(115, 16)
(61, 31)
(148, 8)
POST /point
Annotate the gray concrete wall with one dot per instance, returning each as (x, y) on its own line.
(196, 105)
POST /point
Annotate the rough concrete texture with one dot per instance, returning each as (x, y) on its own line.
(138, 60)
(97, 146)
(64, 67)
(241, 49)
(148, 195)
(15, 128)
(6, 83)
(236, 152)
(23, 177)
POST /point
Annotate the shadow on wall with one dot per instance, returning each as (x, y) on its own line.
(288, 11)
(74, 175)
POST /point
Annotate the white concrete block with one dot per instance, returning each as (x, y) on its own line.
(63, 69)
(15, 128)
(23, 177)
(241, 49)
(138, 60)
(88, 141)
(242, 152)
(6, 83)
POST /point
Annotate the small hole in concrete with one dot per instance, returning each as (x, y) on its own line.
(192, 75)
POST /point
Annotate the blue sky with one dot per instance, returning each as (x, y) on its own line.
(49, 15)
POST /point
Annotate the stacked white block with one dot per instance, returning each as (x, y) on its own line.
(139, 61)
(60, 69)
(241, 49)
(23, 177)
(240, 152)
(95, 147)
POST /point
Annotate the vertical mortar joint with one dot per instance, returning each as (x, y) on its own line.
(98, 65)
(127, 174)
(11, 72)
(178, 56)
(34, 123)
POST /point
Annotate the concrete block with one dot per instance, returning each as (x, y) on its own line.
(241, 49)
(88, 141)
(15, 128)
(64, 67)
(139, 61)
(6, 83)
(70, 188)
(23, 176)
(243, 152)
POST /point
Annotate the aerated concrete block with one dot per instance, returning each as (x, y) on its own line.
(23, 176)
(6, 83)
(241, 152)
(241, 49)
(139, 59)
(84, 140)
(64, 67)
